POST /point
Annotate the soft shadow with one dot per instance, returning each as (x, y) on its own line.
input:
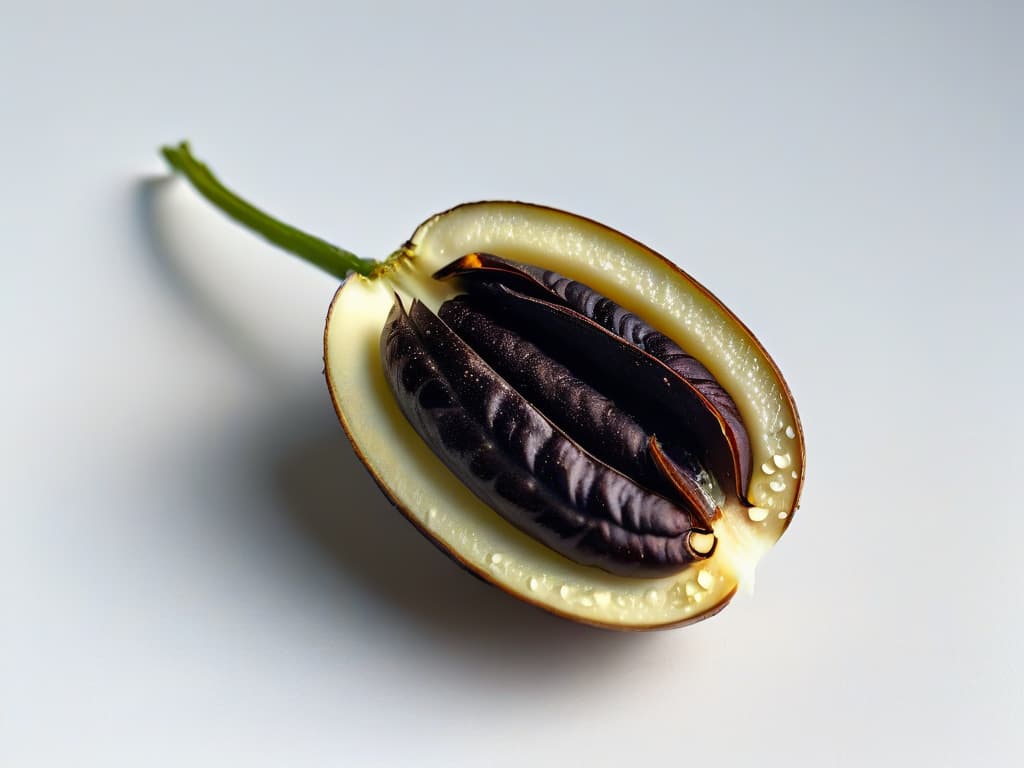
(330, 497)
(327, 496)
(156, 217)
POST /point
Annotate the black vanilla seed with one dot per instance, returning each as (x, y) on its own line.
(573, 419)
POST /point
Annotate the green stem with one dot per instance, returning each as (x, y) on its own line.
(330, 258)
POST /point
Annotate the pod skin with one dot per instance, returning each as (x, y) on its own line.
(447, 512)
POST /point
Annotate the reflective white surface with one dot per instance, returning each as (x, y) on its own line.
(194, 568)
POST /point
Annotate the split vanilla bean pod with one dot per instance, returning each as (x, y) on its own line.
(561, 410)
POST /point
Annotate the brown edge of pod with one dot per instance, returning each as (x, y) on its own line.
(409, 249)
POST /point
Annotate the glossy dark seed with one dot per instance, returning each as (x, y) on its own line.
(727, 434)
(641, 384)
(586, 415)
(522, 465)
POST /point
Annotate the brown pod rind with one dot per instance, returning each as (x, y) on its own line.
(642, 282)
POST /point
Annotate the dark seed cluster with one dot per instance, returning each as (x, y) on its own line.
(570, 417)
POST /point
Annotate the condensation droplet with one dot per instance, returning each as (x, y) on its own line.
(794, 474)
(620, 600)
(652, 597)
(777, 485)
(767, 468)
(757, 514)
(431, 515)
(781, 460)
(691, 589)
(587, 601)
(602, 598)
(496, 558)
(564, 591)
(783, 515)
(677, 600)
(790, 432)
(705, 579)
(533, 584)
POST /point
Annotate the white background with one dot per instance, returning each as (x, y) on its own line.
(196, 571)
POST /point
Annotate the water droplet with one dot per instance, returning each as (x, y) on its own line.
(698, 597)
(794, 474)
(496, 558)
(652, 597)
(602, 598)
(783, 515)
(431, 516)
(705, 579)
(677, 596)
(767, 468)
(757, 514)
(691, 589)
(587, 601)
(790, 432)
(564, 591)
(533, 584)
(781, 460)
(620, 600)
(777, 485)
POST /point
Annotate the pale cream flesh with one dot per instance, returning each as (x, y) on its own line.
(645, 284)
